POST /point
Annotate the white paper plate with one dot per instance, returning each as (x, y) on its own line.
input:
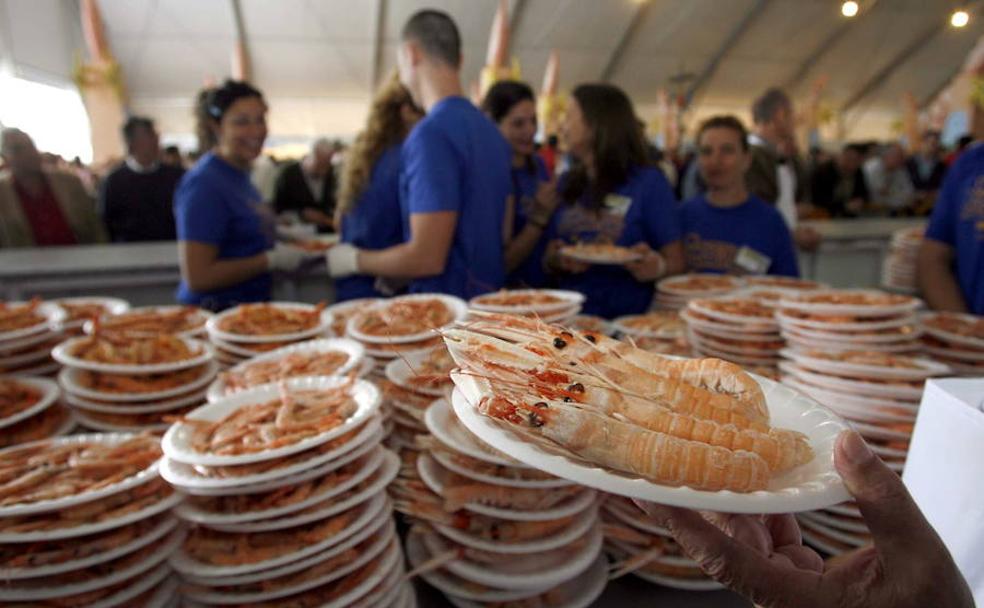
(709, 351)
(341, 309)
(163, 528)
(353, 349)
(805, 488)
(568, 299)
(580, 527)
(856, 387)
(750, 353)
(699, 306)
(198, 331)
(786, 320)
(143, 583)
(49, 394)
(620, 325)
(323, 326)
(52, 314)
(443, 424)
(184, 475)
(796, 302)
(902, 348)
(392, 592)
(392, 557)
(864, 409)
(21, 359)
(63, 354)
(222, 597)
(734, 330)
(382, 464)
(68, 378)
(636, 520)
(587, 257)
(185, 564)
(454, 586)
(114, 306)
(950, 337)
(823, 518)
(879, 431)
(176, 442)
(60, 503)
(552, 568)
(11, 347)
(197, 398)
(383, 356)
(448, 463)
(817, 543)
(670, 286)
(927, 368)
(11, 593)
(399, 371)
(951, 353)
(434, 476)
(237, 353)
(805, 334)
(847, 538)
(457, 306)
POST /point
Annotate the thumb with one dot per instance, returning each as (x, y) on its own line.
(896, 523)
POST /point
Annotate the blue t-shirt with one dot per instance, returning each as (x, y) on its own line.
(642, 210)
(525, 182)
(958, 221)
(374, 222)
(712, 236)
(455, 159)
(216, 204)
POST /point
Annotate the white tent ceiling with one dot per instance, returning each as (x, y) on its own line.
(315, 59)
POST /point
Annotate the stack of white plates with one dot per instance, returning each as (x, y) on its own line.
(629, 533)
(86, 308)
(248, 330)
(295, 523)
(878, 392)
(28, 332)
(740, 329)
(102, 548)
(835, 530)
(502, 532)
(370, 325)
(133, 397)
(412, 384)
(850, 320)
(899, 267)
(954, 339)
(31, 410)
(550, 305)
(659, 331)
(150, 321)
(673, 293)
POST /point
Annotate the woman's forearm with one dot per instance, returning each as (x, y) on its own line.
(209, 275)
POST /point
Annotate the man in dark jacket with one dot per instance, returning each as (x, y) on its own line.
(307, 187)
(136, 198)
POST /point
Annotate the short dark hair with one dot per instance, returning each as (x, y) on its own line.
(437, 35)
(503, 95)
(133, 125)
(220, 99)
(860, 148)
(725, 122)
(768, 105)
(172, 149)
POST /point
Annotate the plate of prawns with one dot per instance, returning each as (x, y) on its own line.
(696, 433)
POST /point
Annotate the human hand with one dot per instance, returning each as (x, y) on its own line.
(806, 238)
(650, 267)
(342, 260)
(286, 257)
(763, 558)
(558, 262)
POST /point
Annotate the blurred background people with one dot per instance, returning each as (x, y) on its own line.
(838, 185)
(135, 199)
(888, 181)
(306, 188)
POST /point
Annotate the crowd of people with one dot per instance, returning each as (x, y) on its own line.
(436, 194)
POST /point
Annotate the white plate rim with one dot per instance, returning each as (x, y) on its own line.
(573, 532)
(666, 286)
(569, 299)
(399, 369)
(457, 306)
(145, 583)
(445, 461)
(863, 389)
(323, 326)
(929, 368)
(49, 394)
(116, 306)
(569, 251)
(66, 379)
(188, 333)
(440, 410)
(62, 354)
(53, 316)
(786, 320)
(793, 301)
(81, 403)
(949, 336)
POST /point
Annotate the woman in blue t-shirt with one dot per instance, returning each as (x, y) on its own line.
(612, 194)
(512, 106)
(369, 196)
(225, 245)
(727, 229)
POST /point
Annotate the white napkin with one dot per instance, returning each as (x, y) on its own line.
(944, 471)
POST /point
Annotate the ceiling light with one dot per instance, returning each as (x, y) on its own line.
(959, 18)
(849, 8)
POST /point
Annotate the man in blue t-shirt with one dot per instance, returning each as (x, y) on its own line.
(455, 178)
(951, 259)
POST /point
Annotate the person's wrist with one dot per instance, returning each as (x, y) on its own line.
(342, 260)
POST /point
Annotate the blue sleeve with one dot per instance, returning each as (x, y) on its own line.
(784, 260)
(542, 175)
(943, 223)
(660, 212)
(200, 213)
(432, 172)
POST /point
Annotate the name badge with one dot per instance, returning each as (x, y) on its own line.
(752, 261)
(617, 204)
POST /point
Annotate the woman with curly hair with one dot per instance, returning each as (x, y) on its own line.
(368, 197)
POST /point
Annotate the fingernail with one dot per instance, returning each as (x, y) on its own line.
(854, 448)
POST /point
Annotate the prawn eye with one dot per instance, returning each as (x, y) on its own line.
(559, 343)
(577, 387)
(540, 405)
(568, 400)
(535, 419)
(590, 338)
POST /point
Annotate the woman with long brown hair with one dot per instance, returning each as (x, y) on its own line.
(613, 194)
(369, 195)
